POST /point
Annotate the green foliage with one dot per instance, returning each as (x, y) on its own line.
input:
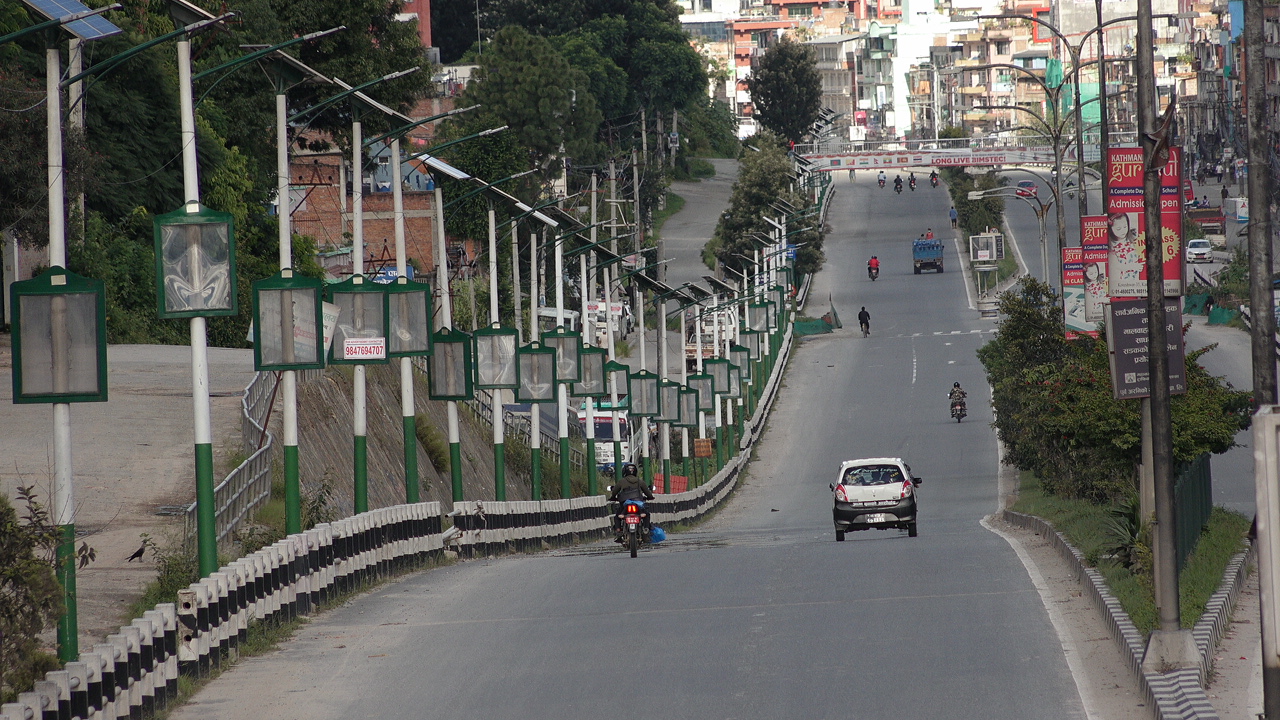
(709, 129)
(176, 567)
(434, 443)
(30, 596)
(763, 179)
(975, 216)
(1087, 526)
(525, 84)
(786, 89)
(1056, 415)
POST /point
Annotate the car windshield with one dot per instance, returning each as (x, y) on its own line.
(872, 475)
(1198, 244)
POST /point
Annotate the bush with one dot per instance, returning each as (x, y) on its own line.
(30, 596)
(1056, 415)
(434, 443)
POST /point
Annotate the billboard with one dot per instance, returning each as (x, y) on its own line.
(1126, 223)
(1128, 343)
(1093, 244)
(1073, 293)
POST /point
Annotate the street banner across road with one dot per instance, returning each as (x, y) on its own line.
(1127, 345)
(890, 159)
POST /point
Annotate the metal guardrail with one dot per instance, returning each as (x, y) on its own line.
(518, 426)
(248, 486)
(1192, 501)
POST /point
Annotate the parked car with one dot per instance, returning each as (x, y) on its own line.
(1199, 250)
(1026, 188)
(874, 493)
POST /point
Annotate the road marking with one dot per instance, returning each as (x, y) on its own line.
(968, 293)
(1013, 240)
(947, 333)
(913, 364)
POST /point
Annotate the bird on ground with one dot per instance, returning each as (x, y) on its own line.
(137, 554)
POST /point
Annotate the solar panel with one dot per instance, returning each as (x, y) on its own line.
(89, 28)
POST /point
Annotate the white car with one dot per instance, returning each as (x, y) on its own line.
(1199, 250)
(874, 493)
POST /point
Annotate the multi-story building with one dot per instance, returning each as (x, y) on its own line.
(837, 62)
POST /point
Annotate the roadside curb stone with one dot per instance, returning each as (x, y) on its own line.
(1176, 695)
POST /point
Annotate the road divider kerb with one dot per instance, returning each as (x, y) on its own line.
(135, 672)
(1176, 695)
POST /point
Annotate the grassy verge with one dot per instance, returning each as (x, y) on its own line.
(674, 204)
(1085, 526)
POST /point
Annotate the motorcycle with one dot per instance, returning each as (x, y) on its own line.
(873, 273)
(881, 183)
(898, 188)
(934, 181)
(633, 525)
(958, 410)
(913, 184)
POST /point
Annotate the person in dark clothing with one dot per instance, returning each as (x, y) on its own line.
(864, 321)
(631, 487)
(1225, 194)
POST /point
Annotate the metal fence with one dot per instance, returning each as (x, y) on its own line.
(1193, 501)
(518, 426)
(248, 486)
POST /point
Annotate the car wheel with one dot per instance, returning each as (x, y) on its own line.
(917, 271)
(839, 536)
(911, 529)
(939, 267)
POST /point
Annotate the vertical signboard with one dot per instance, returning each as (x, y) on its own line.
(1128, 347)
(1093, 244)
(1126, 223)
(1073, 298)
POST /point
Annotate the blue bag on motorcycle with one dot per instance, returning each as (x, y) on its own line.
(657, 535)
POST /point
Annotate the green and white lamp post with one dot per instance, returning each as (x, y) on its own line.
(449, 378)
(60, 357)
(288, 335)
(618, 381)
(718, 369)
(409, 336)
(740, 356)
(689, 417)
(536, 377)
(646, 402)
(196, 278)
(360, 339)
(591, 385)
(670, 405)
(704, 384)
(568, 347)
(495, 354)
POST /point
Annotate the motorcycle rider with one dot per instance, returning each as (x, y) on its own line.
(631, 487)
(873, 267)
(897, 183)
(933, 177)
(864, 321)
(929, 235)
(880, 178)
(911, 180)
(957, 395)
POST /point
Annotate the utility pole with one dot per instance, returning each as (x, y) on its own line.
(1168, 646)
(1262, 331)
(608, 303)
(1103, 132)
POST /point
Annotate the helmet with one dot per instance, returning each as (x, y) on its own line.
(955, 385)
(630, 469)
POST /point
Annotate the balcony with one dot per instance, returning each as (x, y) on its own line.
(974, 90)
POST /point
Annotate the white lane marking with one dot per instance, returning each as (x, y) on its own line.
(1070, 651)
(913, 364)
(968, 292)
(1013, 240)
(951, 362)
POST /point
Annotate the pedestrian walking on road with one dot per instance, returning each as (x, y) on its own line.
(1225, 195)
(954, 216)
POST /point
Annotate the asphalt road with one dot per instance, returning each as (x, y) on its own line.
(758, 613)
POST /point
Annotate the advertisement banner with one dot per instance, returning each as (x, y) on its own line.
(1126, 223)
(1073, 298)
(1128, 344)
(1093, 242)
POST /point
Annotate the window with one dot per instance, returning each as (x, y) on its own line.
(1002, 47)
(801, 11)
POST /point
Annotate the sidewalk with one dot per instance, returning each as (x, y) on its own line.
(132, 460)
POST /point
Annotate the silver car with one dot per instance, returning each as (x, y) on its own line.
(1199, 251)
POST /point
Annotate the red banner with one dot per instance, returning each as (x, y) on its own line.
(1126, 222)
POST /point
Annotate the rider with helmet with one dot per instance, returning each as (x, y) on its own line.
(873, 267)
(631, 487)
(897, 182)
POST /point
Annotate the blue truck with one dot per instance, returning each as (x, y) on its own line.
(926, 254)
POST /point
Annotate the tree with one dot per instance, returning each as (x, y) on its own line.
(763, 178)
(525, 84)
(1056, 415)
(786, 90)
